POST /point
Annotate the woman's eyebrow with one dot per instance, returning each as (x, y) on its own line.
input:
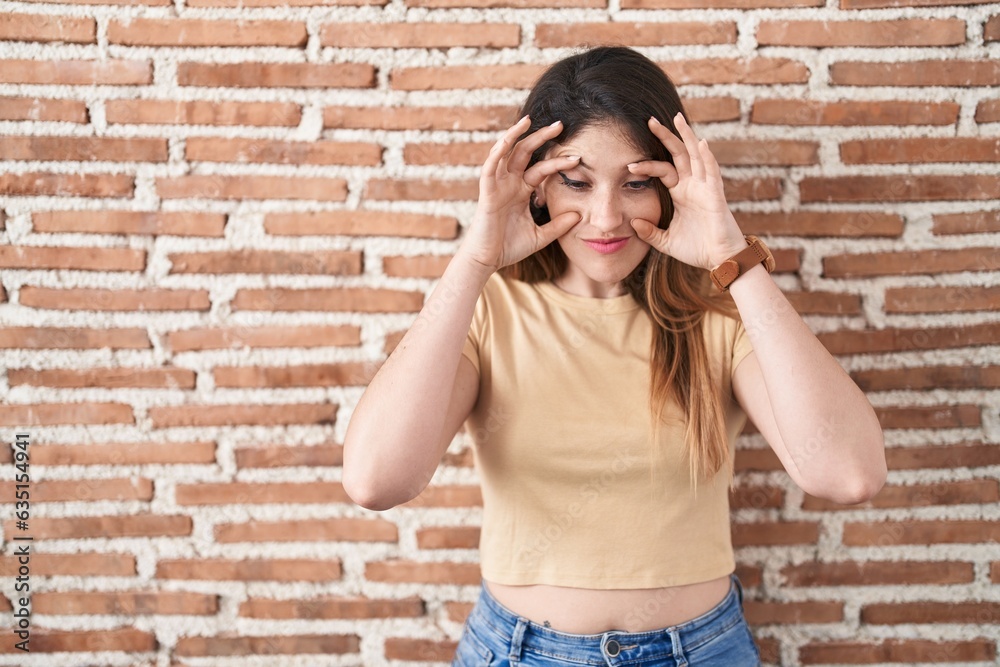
(583, 165)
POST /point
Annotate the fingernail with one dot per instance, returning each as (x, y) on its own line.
(630, 165)
(555, 123)
(572, 157)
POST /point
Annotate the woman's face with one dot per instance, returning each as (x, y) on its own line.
(604, 193)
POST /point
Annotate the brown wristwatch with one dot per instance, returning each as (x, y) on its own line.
(755, 253)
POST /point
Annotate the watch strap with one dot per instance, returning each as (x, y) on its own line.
(755, 253)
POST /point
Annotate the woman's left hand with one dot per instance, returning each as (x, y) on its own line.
(702, 231)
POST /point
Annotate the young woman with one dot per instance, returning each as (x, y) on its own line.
(604, 331)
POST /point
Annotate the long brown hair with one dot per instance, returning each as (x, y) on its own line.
(621, 87)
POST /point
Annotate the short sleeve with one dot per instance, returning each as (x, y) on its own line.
(474, 339)
(741, 345)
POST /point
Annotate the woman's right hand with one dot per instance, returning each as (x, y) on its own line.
(503, 231)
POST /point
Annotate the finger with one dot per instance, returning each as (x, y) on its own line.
(556, 227)
(712, 170)
(678, 151)
(651, 234)
(657, 169)
(541, 170)
(691, 143)
(521, 154)
(503, 146)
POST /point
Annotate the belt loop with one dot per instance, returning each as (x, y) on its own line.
(676, 649)
(516, 639)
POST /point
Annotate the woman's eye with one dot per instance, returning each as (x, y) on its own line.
(640, 185)
(576, 185)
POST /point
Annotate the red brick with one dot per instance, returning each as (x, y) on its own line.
(777, 111)
(752, 153)
(756, 70)
(198, 32)
(230, 415)
(976, 222)
(41, 184)
(71, 338)
(941, 299)
(995, 572)
(899, 188)
(78, 259)
(793, 613)
(419, 572)
(124, 603)
(84, 490)
(448, 537)
(901, 151)
(342, 374)
(420, 118)
(83, 149)
(426, 35)
(149, 378)
(279, 644)
(308, 530)
(48, 28)
(240, 4)
(147, 3)
(953, 72)
(251, 493)
(824, 303)
(553, 35)
(988, 111)
(479, 4)
(320, 262)
(267, 336)
(895, 33)
(921, 532)
(277, 75)
(129, 640)
(877, 573)
(104, 527)
(350, 299)
(890, 340)
(712, 109)
(201, 112)
(911, 262)
(756, 497)
(406, 648)
(218, 186)
(278, 456)
(942, 456)
(991, 29)
(83, 564)
(904, 651)
(931, 416)
(333, 608)
(465, 76)
(975, 492)
(752, 189)
(107, 72)
(768, 533)
(868, 4)
(114, 300)
(425, 189)
(925, 611)
(221, 569)
(928, 377)
(712, 4)
(757, 459)
(820, 223)
(50, 414)
(34, 108)
(141, 223)
(419, 266)
(455, 152)
(125, 453)
(361, 223)
(257, 151)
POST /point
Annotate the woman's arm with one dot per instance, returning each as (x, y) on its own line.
(814, 416)
(394, 439)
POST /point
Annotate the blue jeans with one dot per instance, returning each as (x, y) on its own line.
(494, 636)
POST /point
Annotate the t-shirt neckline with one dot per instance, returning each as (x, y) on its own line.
(615, 304)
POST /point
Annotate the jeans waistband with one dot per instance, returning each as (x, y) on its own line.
(614, 645)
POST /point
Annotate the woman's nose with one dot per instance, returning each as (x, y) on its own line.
(606, 213)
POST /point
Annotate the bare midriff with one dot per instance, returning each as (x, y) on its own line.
(587, 611)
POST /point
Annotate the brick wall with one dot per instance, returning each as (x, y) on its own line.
(217, 222)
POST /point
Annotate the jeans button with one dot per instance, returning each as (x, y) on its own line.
(612, 648)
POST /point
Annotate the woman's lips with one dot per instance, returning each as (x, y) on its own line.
(607, 247)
